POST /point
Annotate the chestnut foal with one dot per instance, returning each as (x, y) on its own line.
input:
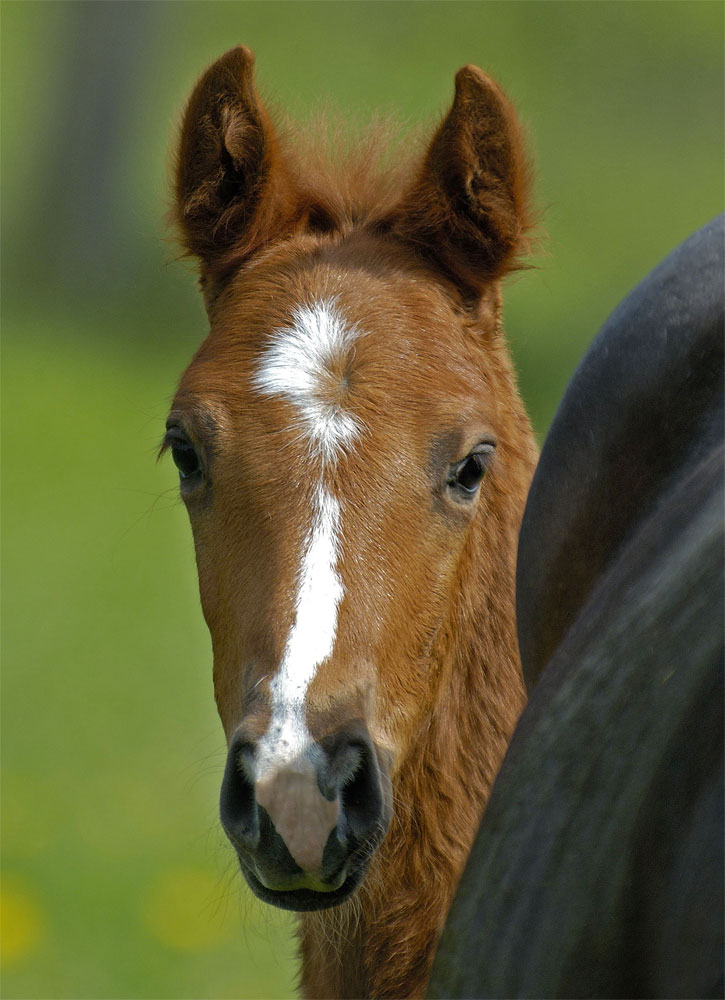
(354, 457)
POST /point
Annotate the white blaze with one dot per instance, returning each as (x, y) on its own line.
(311, 639)
(298, 364)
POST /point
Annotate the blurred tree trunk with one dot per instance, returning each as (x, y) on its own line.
(80, 227)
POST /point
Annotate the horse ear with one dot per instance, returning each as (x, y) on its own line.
(232, 193)
(468, 207)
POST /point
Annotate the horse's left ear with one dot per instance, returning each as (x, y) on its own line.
(232, 191)
(468, 207)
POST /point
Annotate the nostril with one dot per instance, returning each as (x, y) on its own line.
(361, 795)
(355, 784)
(237, 806)
(341, 770)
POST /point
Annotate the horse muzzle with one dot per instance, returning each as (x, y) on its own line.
(304, 828)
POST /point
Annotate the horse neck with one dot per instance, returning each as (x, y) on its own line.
(381, 943)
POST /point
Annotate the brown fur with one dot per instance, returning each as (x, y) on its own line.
(382, 944)
(426, 650)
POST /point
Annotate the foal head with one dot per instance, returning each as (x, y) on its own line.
(348, 439)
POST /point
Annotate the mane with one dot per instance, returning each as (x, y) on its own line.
(350, 175)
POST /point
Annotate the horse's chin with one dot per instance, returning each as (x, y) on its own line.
(303, 900)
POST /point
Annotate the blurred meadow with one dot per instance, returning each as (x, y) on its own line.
(115, 879)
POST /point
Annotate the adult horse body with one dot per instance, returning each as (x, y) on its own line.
(598, 868)
(354, 458)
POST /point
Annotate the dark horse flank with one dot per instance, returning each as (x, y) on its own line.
(598, 868)
(355, 458)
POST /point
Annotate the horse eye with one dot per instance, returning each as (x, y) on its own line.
(467, 475)
(185, 457)
(186, 460)
(470, 473)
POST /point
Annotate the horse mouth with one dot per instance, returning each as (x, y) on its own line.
(302, 900)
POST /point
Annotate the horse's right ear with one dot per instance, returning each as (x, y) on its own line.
(232, 193)
(469, 206)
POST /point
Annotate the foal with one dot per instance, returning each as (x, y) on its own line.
(354, 458)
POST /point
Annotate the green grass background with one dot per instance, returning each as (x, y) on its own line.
(116, 880)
